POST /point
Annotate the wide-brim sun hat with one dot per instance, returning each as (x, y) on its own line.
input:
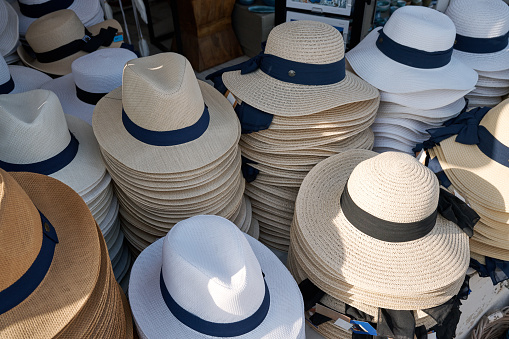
(429, 115)
(48, 35)
(18, 79)
(298, 49)
(269, 297)
(415, 47)
(422, 101)
(9, 28)
(482, 27)
(170, 100)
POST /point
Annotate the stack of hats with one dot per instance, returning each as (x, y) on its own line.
(170, 143)
(56, 279)
(410, 60)
(36, 136)
(55, 40)
(19, 79)
(297, 106)
(206, 279)
(9, 31)
(482, 28)
(93, 76)
(368, 234)
(89, 12)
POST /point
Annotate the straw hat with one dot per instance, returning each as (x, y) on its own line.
(503, 74)
(58, 29)
(9, 34)
(29, 10)
(93, 76)
(308, 43)
(421, 100)
(161, 93)
(481, 19)
(33, 129)
(228, 277)
(437, 115)
(422, 30)
(23, 78)
(373, 264)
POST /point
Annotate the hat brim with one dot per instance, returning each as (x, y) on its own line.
(425, 100)
(26, 79)
(502, 74)
(221, 135)
(487, 62)
(63, 66)
(285, 318)
(10, 35)
(429, 115)
(391, 76)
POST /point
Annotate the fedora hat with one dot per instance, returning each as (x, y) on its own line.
(302, 61)
(9, 34)
(55, 40)
(93, 76)
(482, 30)
(30, 10)
(234, 286)
(18, 79)
(415, 45)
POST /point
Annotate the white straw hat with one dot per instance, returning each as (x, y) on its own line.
(477, 21)
(421, 38)
(212, 275)
(436, 115)
(9, 34)
(310, 47)
(504, 74)
(18, 79)
(425, 100)
(93, 76)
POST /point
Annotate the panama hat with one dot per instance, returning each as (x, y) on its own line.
(160, 93)
(415, 44)
(93, 76)
(228, 277)
(55, 40)
(30, 10)
(9, 34)
(293, 51)
(18, 79)
(482, 28)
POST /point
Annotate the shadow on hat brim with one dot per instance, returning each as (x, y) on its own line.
(63, 66)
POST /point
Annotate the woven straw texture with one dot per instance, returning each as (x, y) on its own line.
(9, 28)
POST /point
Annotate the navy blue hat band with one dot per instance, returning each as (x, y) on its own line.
(481, 45)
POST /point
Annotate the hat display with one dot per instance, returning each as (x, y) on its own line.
(411, 61)
(55, 40)
(367, 238)
(93, 76)
(185, 137)
(228, 284)
(9, 34)
(18, 79)
(72, 293)
(36, 136)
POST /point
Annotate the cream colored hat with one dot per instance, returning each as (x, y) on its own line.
(301, 72)
(57, 39)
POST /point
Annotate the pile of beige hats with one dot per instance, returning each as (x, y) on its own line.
(170, 143)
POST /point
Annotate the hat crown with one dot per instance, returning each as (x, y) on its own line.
(306, 41)
(211, 271)
(33, 127)
(496, 122)
(5, 74)
(395, 187)
(20, 231)
(3, 15)
(101, 71)
(479, 18)
(54, 30)
(421, 28)
(161, 93)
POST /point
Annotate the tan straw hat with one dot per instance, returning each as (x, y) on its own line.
(57, 39)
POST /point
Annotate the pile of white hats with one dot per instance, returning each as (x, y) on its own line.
(36, 136)
(422, 84)
(482, 30)
(9, 31)
(170, 143)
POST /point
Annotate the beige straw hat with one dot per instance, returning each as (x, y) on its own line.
(58, 29)
(303, 42)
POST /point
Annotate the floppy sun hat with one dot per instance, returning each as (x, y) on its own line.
(206, 279)
(18, 79)
(55, 40)
(412, 53)
(9, 33)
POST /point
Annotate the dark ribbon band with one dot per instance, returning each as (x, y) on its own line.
(411, 56)
(38, 10)
(496, 269)
(435, 166)
(28, 282)
(216, 329)
(7, 87)
(89, 43)
(48, 166)
(168, 138)
(249, 172)
(89, 97)
(481, 45)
